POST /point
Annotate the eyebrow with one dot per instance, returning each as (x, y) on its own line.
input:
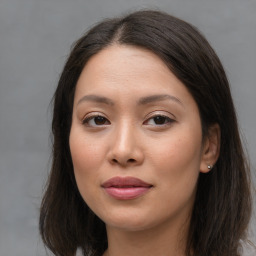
(158, 97)
(96, 98)
(141, 101)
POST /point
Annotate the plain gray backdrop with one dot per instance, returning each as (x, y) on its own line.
(35, 38)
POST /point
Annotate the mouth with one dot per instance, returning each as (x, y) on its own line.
(126, 188)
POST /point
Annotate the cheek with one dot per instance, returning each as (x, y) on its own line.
(177, 159)
(86, 153)
(177, 164)
(178, 150)
(86, 157)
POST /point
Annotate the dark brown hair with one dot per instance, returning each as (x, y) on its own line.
(222, 206)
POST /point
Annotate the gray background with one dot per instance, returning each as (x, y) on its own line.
(35, 38)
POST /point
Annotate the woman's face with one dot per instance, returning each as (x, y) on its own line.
(135, 140)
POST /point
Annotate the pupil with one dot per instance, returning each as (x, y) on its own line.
(159, 119)
(99, 120)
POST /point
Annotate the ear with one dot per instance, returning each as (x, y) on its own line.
(210, 149)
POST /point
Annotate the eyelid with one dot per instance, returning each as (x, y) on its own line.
(154, 114)
(160, 113)
(92, 115)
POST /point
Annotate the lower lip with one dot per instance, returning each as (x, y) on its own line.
(126, 193)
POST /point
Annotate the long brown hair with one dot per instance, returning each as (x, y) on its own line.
(222, 206)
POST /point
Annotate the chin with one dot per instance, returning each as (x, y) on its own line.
(131, 222)
(132, 226)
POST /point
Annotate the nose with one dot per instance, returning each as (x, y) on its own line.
(126, 149)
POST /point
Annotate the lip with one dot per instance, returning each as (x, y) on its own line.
(126, 188)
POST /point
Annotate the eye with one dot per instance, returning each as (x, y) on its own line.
(95, 121)
(159, 120)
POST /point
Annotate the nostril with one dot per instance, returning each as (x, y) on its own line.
(131, 160)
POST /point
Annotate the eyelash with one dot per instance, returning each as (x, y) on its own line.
(88, 119)
(167, 120)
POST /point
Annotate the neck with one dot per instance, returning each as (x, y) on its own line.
(161, 240)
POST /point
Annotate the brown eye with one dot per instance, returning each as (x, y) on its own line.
(100, 120)
(159, 120)
(96, 121)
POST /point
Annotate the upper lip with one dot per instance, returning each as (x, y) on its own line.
(125, 182)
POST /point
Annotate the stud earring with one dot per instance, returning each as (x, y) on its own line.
(209, 167)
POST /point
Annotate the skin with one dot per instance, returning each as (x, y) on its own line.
(129, 140)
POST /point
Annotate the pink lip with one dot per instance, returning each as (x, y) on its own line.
(125, 188)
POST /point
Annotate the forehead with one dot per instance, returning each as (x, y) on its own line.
(121, 58)
(125, 68)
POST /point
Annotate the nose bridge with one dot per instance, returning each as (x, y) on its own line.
(125, 145)
(125, 135)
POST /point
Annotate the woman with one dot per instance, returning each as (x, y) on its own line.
(147, 158)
